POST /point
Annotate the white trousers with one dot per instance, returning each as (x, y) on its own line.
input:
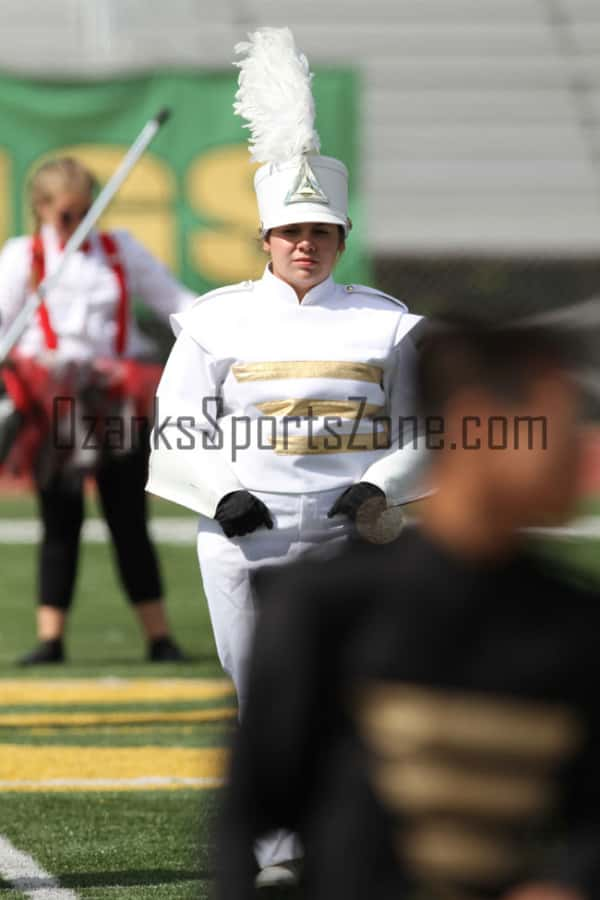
(300, 523)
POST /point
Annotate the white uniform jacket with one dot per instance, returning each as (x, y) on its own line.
(83, 306)
(264, 393)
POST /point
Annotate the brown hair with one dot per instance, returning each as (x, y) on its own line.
(61, 174)
(267, 235)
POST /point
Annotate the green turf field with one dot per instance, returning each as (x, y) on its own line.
(109, 843)
(105, 845)
(82, 745)
(23, 506)
(103, 633)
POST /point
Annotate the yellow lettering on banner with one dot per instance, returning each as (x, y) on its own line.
(219, 186)
(5, 193)
(225, 257)
(144, 204)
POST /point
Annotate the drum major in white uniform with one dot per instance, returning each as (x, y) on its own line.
(285, 394)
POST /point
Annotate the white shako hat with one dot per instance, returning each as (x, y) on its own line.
(295, 184)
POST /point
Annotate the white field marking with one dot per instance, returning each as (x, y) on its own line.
(584, 527)
(182, 530)
(23, 874)
(165, 530)
(103, 784)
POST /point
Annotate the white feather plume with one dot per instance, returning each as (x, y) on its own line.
(275, 96)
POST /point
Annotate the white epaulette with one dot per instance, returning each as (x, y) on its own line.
(228, 289)
(363, 289)
(177, 320)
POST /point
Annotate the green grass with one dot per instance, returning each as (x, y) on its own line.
(108, 845)
(103, 635)
(579, 559)
(116, 736)
(150, 705)
(18, 507)
(24, 506)
(133, 844)
(118, 845)
(590, 506)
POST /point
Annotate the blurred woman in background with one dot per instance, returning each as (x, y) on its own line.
(74, 366)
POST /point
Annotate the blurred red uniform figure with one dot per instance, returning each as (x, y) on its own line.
(82, 387)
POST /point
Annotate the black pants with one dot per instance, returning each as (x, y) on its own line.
(121, 482)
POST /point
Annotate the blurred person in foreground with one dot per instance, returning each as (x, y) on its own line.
(81, 394)
(424, 711)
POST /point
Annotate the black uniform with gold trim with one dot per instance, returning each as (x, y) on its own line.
(444, 747)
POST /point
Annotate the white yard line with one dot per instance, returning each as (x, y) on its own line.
(148, 781)
(182, 530)
(165, 530)
(23, 874)
(586, 527)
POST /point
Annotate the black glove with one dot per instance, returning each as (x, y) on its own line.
(241, 512)
(349, 503)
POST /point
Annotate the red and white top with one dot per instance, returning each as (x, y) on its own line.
(89, 313)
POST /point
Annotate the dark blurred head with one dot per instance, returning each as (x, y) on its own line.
(508, 407)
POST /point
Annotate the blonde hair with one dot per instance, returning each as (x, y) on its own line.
(61, 174)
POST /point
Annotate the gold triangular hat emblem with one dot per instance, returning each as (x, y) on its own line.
(306, 187)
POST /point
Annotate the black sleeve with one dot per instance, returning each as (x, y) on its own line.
(273, 754)
(575, 860)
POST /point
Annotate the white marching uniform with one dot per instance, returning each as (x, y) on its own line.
(82, 307)
(293, 402)
(280, 398)
(296, 397)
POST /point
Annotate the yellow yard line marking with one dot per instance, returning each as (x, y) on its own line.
(16, 692)
(63, 768)
(68, 720)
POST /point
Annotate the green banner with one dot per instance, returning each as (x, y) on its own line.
(190, 200)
